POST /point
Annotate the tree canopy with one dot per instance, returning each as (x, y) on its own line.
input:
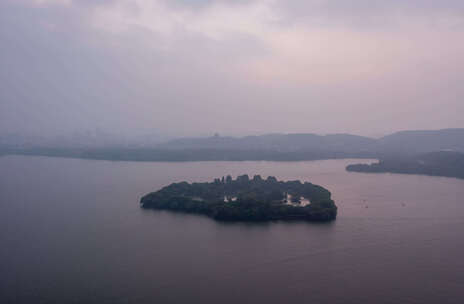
(245, 199)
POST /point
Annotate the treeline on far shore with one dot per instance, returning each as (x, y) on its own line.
(154, 154)
(443, 163)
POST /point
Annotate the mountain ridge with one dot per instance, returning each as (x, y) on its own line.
(273, 147)
(408, 141)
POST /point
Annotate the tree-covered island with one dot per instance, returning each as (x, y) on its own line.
(245, 199)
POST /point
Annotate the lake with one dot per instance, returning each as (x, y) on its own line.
(72, 231)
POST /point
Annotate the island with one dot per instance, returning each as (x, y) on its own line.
(442, 163)
(245, 199)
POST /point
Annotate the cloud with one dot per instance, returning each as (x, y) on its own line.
(237, 67)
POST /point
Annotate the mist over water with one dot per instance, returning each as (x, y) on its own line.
(72, 231)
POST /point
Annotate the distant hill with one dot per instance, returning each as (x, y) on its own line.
(413, 142)
(276, 143)
(278, 147)
(404, 142)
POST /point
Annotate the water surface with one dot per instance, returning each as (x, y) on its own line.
(72, 232)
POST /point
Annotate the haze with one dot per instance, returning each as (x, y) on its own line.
(187, 68)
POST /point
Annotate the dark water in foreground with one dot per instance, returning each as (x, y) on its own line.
(72, 232)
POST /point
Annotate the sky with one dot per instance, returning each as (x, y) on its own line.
(193, 68)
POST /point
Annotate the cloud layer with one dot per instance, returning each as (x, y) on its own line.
(236, 67)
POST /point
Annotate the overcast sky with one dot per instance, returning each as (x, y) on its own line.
(186, 67)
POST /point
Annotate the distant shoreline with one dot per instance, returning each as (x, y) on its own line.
(154, 155)
(443, 163)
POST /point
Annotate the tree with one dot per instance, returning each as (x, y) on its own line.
(243, 178)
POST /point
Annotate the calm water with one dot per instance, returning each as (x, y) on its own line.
(72, 232)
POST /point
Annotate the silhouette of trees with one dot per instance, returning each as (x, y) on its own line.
(243, 199)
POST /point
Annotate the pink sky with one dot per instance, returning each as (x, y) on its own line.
(234, 67)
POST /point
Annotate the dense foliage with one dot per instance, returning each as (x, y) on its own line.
(444, 163)
(245, 199)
